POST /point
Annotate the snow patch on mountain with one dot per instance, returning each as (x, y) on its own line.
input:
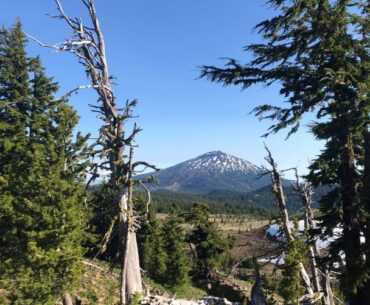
(219, 162)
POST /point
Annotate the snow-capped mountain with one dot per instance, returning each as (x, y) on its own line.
(219, 162)
(209, 172)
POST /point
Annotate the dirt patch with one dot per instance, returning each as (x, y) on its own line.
(254, 243)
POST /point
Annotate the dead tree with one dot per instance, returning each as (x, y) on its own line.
(115, 145)
(304, 190)
(277, 190)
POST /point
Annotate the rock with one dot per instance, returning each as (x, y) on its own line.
(207, 300)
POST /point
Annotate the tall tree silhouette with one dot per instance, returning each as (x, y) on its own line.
(318, 53)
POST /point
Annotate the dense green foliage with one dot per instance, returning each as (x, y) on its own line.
(291, 288)
(260, 203)
(103, 223)
(162, 250)
(177, 262)
(206, 239)
(219, 203)
(152, 249)
(318, 53)
(42, 216)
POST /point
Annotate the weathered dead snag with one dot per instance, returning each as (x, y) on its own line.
(114, 146)
(277, 190)
(321, 280)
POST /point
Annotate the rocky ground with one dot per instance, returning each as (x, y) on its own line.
(207, 300)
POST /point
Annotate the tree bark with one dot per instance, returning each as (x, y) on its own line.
(124, 244)
(134, 282)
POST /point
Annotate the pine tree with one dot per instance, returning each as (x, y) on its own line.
(14, 97)
(291, 288)
(177, 264)
(207, 240)
(318, 52)
(151, 248)
(42, 216)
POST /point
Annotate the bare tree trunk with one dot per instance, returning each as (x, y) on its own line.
(131, 282)
(124, 244)
(277, 189)
(134, 282)
(328, 293)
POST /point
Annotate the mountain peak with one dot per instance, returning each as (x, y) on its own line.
(215, 153)
(219, 162)
(214, 170)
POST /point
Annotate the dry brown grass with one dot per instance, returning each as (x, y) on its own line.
(231, 223)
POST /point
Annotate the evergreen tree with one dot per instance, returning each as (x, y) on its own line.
(14, 97)
(177, 264)
(291, 288)
(41, 216)
(151, 248)
(207, 240)
(103, 223)
(318, 52)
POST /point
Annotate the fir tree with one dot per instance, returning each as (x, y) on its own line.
(103, 223)
(318, 52)
(42, 216)
(14, 97)
(291, 288)
(207, 240)
(151, 248)
(177, 264)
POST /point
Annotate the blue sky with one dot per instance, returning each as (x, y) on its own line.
(155, 48)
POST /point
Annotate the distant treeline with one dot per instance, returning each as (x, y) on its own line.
(259, 203)
(223, 204)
